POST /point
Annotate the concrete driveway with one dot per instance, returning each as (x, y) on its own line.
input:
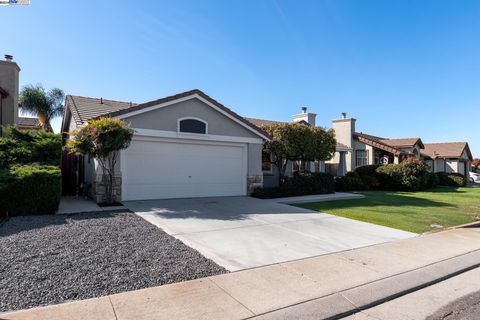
(242, 232)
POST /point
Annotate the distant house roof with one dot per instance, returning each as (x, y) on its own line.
(85, 108)
(376, 142)
(394, 146)
(446, 150)
(403, 142)
(26, 122)
(263, 122)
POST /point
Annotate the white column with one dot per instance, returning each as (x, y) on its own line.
(395, 159)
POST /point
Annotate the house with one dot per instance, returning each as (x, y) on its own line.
(9, 76)
(448, 157)
(185, 145)
(368, 149)
(9, 88)
(271, 173)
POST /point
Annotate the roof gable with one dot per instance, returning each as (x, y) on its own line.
(85, 108)
(447, 150)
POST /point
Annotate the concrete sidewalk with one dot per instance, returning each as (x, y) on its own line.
(331, 285)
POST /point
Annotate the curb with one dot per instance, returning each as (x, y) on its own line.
(354, 300)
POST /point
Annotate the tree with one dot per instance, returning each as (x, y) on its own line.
(102, 139)
(44, 105)
(295, 141)
(476, 164)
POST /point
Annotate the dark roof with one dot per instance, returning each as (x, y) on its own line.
(84, 108)
(262, 122)
(403, 142)
(26, 122)
(446, 150)
(389, 145)
(3, 93)
(376, 142)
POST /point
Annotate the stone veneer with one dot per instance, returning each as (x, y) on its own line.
(254, 182)
(98, 189)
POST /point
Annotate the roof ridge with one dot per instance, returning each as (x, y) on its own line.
(450, 142)
(104, 99)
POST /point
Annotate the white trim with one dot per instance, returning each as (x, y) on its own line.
(344, 149)
(192, 118)
(195, 95)
(193, 136)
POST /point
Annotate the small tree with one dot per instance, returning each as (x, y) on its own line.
(102, 139)
(45, 105)
(295, 141)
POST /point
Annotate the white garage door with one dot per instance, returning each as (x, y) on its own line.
(172, 169)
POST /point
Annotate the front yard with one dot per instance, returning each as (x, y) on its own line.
(410, 211)
(53, 259)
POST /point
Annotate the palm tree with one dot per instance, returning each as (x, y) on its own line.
(45, 105)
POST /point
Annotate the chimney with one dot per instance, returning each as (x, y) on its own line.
(9, 82)
(344, 129)
(305, 116)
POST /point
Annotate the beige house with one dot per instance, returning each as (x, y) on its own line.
(9, 89)
(366, 149)
(270, 172)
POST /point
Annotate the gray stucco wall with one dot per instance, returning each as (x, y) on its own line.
(254, 159)
(165, 118)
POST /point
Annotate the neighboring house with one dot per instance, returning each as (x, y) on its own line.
(367, 149)
(9, 75)
(9, 86)
(186, 145)
(271, 172)
(448, 157)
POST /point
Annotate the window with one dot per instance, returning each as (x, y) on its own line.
(361, 158)
(192, 126)
(266, 161)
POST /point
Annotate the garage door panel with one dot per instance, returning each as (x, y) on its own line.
(155, 170)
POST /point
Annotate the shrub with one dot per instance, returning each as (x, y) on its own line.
(368, 170)
(29, 189)
(350, 182)
(432, 180)
(451, 179)
(369, 174)
(303, 184)
(22, 147)
(409, 176)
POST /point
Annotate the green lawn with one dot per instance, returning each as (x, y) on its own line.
(410, 211)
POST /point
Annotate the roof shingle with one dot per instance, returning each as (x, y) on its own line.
(446, 150)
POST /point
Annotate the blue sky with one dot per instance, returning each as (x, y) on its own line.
(402, 68)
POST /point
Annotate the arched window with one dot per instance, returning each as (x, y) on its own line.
(192, 125)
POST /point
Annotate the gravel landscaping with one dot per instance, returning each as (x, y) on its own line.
(53, 259)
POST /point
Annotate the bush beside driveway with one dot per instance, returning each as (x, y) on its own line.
(54, 259)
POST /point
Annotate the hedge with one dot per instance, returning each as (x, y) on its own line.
(303, 184)
(406, 176)
(451, 179)
(30, 189)
(24, 147)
